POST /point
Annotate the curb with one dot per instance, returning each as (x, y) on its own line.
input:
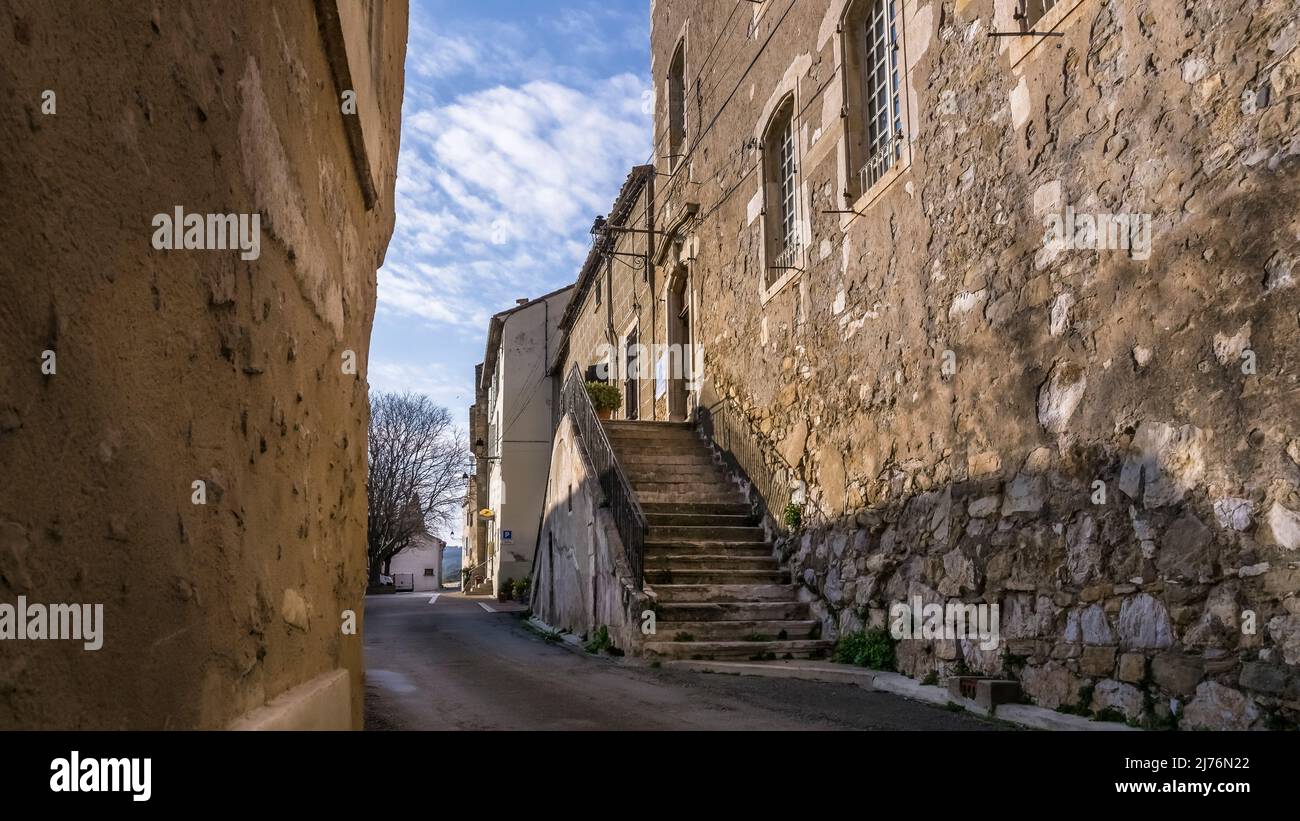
(572, 641)
(1025, 715)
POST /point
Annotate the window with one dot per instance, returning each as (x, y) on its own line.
(1029, 12)
(873, 73)
(677, 106)
(781, 193)
(428, 571)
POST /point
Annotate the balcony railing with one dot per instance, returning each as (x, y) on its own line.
(747, 452)
(788, 258)
(888, 152)
(628, 517)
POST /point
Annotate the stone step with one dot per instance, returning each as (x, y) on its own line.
(715, 575)
(754, 650)
(723, 508)
(724, 592)
(641, 447)
(676, 474)
(655, 452)
(739, 630)
(706, 533)
(666, 559)
(666, 473)
(733, 611)
(685, 489)
(689, 549)
(698, 520)
(644, 459)
(637, 424)
(681, 496)
(651, 431)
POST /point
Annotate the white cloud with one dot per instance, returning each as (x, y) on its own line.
(498, 188)
(516, 133)
(433, 379)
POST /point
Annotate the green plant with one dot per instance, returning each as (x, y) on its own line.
(870, 648)
(522, 587)
(793, 516)
(931, 678)
(604, 397)
(507, 590)
(1083, 706)
(599, 640)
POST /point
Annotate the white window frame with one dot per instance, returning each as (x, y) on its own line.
(892, 86)
(783, 221)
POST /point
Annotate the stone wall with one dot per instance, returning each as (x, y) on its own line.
(191, 452)
(1106, 443)
(581, 579)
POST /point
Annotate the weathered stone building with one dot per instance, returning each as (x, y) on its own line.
(183, 427)
(1002, 297)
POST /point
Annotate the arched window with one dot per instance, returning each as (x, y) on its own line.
(677, 106)
(781, 193)
(873, 85)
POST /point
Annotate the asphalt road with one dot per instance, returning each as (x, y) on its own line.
(452, 665)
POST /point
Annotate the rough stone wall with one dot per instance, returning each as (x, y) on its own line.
(1066, 368)
(183, 366)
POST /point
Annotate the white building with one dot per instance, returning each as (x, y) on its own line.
(521, 403)
(422, 560)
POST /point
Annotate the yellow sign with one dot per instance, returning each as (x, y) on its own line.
(486, 513)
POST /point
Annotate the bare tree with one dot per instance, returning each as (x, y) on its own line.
(417, 461)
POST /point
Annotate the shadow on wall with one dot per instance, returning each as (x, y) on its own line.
(1117, 585)
(582, 580)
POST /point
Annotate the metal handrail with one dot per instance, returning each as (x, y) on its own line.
(748, 453)
(629, 519)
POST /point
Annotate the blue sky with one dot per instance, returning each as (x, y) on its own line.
(520, 122)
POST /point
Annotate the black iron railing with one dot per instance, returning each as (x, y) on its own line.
(623, 506)
(747, 452)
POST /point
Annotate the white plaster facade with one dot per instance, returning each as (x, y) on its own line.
(521, 411)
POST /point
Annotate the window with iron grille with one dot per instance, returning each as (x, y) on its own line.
(1029, 12)
(782, 193)
(882, 88)
(785, 170)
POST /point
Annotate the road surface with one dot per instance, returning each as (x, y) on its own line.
(451, 665)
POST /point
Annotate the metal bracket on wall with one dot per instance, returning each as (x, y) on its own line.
(1026, 34)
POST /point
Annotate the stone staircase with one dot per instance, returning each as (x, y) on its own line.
(721, 592)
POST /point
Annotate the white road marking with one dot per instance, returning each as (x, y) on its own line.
(434, 598)
(485, 607)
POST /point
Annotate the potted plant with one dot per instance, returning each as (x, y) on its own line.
(605, 398)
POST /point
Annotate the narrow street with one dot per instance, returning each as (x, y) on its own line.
(451, 665)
